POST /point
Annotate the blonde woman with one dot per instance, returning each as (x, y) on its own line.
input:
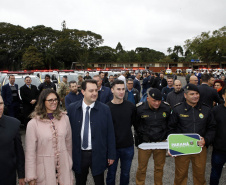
(48, 157)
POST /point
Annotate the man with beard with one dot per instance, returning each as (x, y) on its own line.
(74, 95)
(177, 95)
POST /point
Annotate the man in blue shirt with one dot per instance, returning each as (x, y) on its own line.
(131, 93)
(74, 94)
(166, 90)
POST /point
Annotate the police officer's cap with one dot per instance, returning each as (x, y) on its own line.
(155, 94)
(64, 76)
(192, 87)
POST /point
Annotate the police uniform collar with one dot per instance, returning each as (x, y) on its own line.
(187, 106)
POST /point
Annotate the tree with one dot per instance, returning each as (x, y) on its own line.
(32, 59)
(169, 50)
(178, 50)
(104, 54)
(208, 48)
(119, 48)
(13, 43)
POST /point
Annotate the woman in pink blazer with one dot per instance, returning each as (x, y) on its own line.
(48, 159)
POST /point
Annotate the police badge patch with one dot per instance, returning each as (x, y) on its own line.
(201, 115)
(164, 114)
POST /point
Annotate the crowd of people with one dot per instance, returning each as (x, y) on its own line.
(88, 125)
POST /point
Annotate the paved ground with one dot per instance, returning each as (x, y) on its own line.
(168, 177)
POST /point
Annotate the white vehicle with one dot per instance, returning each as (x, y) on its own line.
(168, 72)
(70, 77)
(178, 71)
(19, 80)
(188, 70)
(53, 76)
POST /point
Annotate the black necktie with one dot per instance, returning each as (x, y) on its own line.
(86, 129)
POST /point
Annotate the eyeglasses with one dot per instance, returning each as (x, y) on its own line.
(52, 100)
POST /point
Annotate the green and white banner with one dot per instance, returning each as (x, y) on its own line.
(183, 144)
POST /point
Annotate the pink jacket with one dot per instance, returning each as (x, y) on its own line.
(47, 150)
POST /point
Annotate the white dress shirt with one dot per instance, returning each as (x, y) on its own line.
(83, 124)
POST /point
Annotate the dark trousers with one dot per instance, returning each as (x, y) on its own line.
(126, 156)
(13, 109)
(86, 163)
(218, 161)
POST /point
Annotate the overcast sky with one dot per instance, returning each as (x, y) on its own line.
(156, 24)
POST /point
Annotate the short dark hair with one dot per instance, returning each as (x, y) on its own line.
(101, 72)
(110, 76)
(27, 77)
(170, 77)
(116, 82)
(47, 75)
(72, 82)
(10, 76)
(156, 74)
(129, 79)
(211, 76)
(87, 81)
(205, 77)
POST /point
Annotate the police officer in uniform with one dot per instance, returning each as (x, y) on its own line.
(152, 118)
(192, 116)
(63, 90)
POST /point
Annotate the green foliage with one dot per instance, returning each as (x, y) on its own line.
(44, 47)
(208, 47)
(32, 59)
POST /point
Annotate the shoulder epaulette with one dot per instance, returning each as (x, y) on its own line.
(166, 103)
(139, 104)
(205, 104)
(177, 104)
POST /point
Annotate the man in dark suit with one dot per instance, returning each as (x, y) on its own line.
(162, 82)
(12, 153)
(155, 83)
(104, 93)
(11, 98)
(208, 95)
(29, 95)
(110, 81)
(136, 82)
(93, 138)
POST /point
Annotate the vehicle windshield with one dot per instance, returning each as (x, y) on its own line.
(50, 74)
(2, 77)
(69, 77)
